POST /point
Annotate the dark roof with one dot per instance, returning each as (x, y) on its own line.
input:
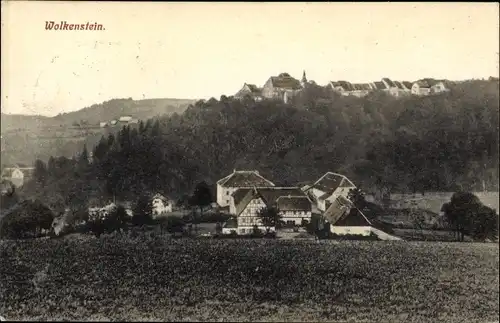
(245, 179)
(407, 84)
(422, 83)
(285, 81)
(380, 85)
(268, 194)
(346, 85)
(329, 182)
(399, 85)
(239, 194)
(388, 81)
(294, 203)
(366, 86)
(253, 88)
(353, 218)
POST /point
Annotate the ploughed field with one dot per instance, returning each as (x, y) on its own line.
(157, 278)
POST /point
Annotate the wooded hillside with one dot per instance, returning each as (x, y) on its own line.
(436, 143)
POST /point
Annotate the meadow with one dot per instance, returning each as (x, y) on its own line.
(160, 278)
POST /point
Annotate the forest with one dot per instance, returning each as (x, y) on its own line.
(445, 142)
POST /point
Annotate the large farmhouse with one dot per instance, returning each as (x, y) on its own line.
(326, 189)
(282, 87)
(292, 203)
(238, 179)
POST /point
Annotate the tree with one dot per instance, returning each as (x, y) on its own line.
(116, 220)
(174, 224)
(27, 219)
(256, 231)
(357, 197)
(83, 161)
(40, 174)
(468, 216)
(202, 197)
(143, 211)
(270, 217)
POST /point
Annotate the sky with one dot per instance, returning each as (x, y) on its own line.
(202, 50)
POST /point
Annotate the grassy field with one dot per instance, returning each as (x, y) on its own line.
(156, 278)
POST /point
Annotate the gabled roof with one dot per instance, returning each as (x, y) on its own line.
(407, 84)
(342, 212)
(253, 88)
(285, 81)
(399, 85)
(380, 85)
(329, 182)
(361, 87)
(159, 196)
(239, 194)
(389, 82)
(353, 217)
(268, 194)
(346, 85)
(422, 84)
(245, 178)
(294, 203)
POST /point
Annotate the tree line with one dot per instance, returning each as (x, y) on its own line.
(447, 142)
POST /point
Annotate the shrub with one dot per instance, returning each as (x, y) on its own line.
(174, 224)
(26, 219)
(114, 220)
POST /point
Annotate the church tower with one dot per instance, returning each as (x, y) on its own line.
(303, 82)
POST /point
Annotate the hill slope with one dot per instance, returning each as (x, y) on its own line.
(25, 138)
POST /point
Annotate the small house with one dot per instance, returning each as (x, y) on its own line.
(250, 90)
(421, 88)
(18, 176)
(125, 119)
(344, 219)
(439, 87)
(161, 205)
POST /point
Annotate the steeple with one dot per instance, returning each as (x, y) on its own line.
(304, 78)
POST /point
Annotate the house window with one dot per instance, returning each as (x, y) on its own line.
(227, 192)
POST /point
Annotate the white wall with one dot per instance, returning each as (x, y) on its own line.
(224, 195)
(344, 230)
(248, 217)
(297, 218)
(249, 229)
(161, 207)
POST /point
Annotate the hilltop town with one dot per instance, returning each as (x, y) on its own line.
(284, 87)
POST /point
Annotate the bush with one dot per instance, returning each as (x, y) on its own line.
(174, 224)
(26, 219)
(115, 220)
(143, 211)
